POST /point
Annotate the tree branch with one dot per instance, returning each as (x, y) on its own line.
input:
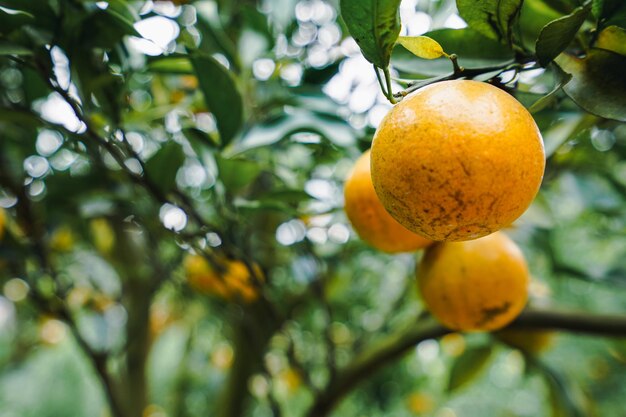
(460, 72)
(396, 345)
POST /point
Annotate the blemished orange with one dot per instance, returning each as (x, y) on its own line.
(457, 160)
(476, 285)
(234, 282)
(370, 219)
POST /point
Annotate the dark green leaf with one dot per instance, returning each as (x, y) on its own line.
(374, 25)
(468, 366)
(605, 9)
(561, 78)
(105, 28)
(199, 138)
(337, 132)
(493, 19)
(8, 48)
(11, 20)
(161, 169)
(598, 82)
(20, 117)
(558, 34)
(213, 37)
(221, 95)
(535, 14)
(237, 173)
(473, 51)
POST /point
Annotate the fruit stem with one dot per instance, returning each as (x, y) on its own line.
(380, 81)
(389, 89)
(457, 68)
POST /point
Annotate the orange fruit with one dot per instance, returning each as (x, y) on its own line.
(3, 222)
(457, 160)
(233, 281)
(529, 341)
(476, 285)
(370, 219)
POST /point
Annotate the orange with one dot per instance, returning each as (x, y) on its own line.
(370, 219)
(457, 160)
(529, 341)
(234, 281)
(478, 285)
(3, 221)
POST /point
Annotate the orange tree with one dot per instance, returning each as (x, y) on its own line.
(173, 235)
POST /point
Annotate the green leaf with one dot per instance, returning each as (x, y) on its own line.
(422, 46)
(558, 34)
(337, 132)
(20, 117)
(237, 173)
(613, 38)
(535, 14)
(561, 79)
(198, 137)
(565, 400)
(598, 82)
(607, 9)
(374, 25)
(161, 169)
(473, 51)
(11, 20)
(564, 129)
(221, 95)
(171, 64)
(468, 366)
(8, 48)
(493, 18)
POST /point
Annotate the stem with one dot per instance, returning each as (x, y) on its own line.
(389, 89)
(455, 64)
(380, 82)
(396, 345)
(459, 72)
(251, 334)
(138, 339)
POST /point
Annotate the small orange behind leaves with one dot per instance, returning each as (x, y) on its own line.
(370, 219)
(233, 282)
(3, 222)
(419, 403)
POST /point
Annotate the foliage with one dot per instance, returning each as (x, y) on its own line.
(135, 133)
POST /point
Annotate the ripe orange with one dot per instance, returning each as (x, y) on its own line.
(233, 282)
(479, 284)
(457, 160)
(370, 219)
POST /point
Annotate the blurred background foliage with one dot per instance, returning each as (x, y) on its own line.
(134, 133)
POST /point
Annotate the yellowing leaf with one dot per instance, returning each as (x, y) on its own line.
(422, 46)
(613, 38)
